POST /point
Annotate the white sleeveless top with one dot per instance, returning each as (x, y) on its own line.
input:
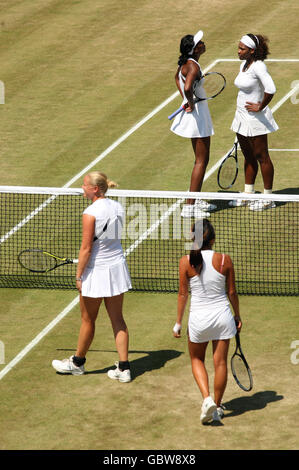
(210, 315)
(200, 92)
(198, 123)
(209, 288)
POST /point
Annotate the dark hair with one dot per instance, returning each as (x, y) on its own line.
(186, 46)
(208, 234)
(262, 49)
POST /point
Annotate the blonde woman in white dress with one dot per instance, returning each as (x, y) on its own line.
(211, 279)
(102, 274)
(253, 119)
(195, 122)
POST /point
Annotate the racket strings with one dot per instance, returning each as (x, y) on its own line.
(227, 172)
(212, 83)
(241, 372)
(37, 261)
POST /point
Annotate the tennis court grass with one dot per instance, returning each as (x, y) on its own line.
(77, 76)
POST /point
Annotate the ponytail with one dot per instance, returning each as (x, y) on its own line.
(204, 233)
(186, 46)
(100, 179)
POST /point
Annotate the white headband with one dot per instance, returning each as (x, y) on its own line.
(196, 38)
(247, 41)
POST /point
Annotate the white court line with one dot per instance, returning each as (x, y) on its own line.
(38, 338)
(127, 134)
(74, 302)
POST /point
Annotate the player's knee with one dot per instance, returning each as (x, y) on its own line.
(262, 157)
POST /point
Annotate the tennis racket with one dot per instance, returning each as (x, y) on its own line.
(214, 84)
(39, 261)
(240, 368)
(229, 168)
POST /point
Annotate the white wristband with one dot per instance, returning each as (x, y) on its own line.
(177, 328)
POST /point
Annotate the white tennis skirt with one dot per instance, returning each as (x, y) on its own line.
(106, 280)
(208, 326)
(195, 124)
(251, 124)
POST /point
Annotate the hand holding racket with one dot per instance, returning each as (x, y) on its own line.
(240, 368)
(214, 84)
(228, 170)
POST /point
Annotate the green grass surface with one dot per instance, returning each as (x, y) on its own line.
(77, 76)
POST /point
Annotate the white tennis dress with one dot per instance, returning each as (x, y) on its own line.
(198, 123)
(106, 274)
(210, 316)
(252, 84)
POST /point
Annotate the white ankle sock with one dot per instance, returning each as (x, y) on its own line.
(267, 191)
(249, 188)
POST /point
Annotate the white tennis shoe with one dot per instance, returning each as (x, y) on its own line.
(218, 413)
(204, 205)
(261, 205)
(120, 375)
(188, 210)
(207, 410)
(67, 366)
(200, 214)
(199, 211)
(238, 203)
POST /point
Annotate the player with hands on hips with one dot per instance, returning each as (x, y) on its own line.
(253, 119)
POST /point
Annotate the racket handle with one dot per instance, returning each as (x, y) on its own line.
(178, 111)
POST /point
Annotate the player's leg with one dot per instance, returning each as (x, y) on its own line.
(220, 352)
(261, 154)
(114, 306)
(197, 353)
(89, 312)
(201, 148)
(75, 364)
(250, 161)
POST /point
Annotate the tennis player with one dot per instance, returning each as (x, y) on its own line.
(195, 122)
(102, 273)
(211, 279)
(253, 119)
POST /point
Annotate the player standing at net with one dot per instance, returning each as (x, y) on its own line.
(253, 119)
(102, 273)
(211, 278)
(195, 122)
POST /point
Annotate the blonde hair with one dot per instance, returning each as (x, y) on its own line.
(99, 179)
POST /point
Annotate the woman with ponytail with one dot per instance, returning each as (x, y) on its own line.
(195, 122)
(211, 279)
(253, 119)
(102, 273)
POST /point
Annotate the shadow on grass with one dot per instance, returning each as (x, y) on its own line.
(258, 401)
(152, 360)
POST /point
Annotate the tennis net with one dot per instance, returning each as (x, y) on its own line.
(262, 244)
